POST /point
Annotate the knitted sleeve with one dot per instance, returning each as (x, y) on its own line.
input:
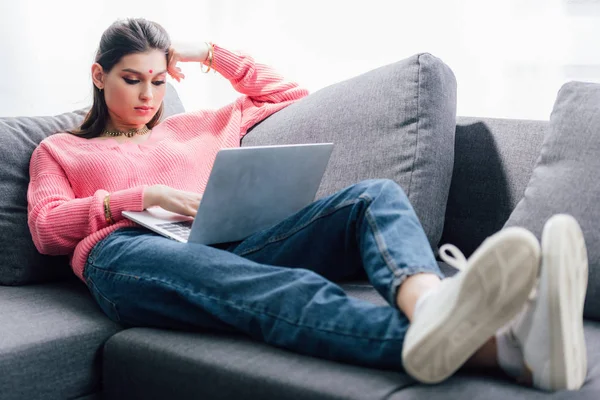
(58, 220)
(265, 91)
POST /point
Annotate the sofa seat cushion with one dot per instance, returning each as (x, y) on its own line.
(471, 386)
(51, 336)
(144, 363)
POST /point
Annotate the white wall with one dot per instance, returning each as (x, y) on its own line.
(510, 57)
(48, 47)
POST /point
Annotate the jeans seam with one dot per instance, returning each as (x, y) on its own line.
(249, 309)
(280, 318)
(101, 243)
(91, 264)
(295, 323)
(112, 304)
(381, 245)
(399, 275)
(283, 236)
(96, 249)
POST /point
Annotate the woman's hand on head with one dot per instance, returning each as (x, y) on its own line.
(172, 59)
(185, 52)
(177, 201)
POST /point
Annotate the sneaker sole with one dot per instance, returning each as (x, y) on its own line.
(488, 293)
(566, 268)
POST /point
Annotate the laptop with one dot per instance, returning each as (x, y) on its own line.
(249, 189)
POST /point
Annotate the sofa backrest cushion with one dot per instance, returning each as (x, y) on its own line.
(566, 177)
(395, 122)
(20, 262)
(493, 160)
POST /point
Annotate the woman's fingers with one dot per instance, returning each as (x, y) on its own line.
(172, 68)
(177, 74)
(173, 58)
(170, 57)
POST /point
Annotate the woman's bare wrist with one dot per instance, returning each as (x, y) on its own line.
(151, 196)
(206, 52)
(193, 51)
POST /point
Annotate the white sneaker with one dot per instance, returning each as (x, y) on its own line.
(550, 328)
(468, 309)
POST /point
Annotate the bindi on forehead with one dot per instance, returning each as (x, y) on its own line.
(133, 71)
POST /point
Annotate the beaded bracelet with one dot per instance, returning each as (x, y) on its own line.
(211, 50)
(107, 214)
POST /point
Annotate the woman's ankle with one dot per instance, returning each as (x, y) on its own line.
(413, 289)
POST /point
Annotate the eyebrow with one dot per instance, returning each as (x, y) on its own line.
(133, 71)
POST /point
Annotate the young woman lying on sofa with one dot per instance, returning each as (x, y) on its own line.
(275, 285)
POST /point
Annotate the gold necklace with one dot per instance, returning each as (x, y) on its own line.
(129, 134)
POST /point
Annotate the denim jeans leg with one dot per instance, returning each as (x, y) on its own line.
(367, 227)
(143, 279)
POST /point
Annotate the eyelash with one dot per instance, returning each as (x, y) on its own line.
(134, 81)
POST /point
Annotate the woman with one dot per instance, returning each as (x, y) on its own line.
(276, 285)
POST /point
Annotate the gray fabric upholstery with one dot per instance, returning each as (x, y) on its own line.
(20, 263)
(566, 178)
(51, 336)
(395, 122)
(477, 386)
(142, 363)
(94, 396)
(493, 161)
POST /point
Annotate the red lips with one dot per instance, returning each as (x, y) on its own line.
(145, 108)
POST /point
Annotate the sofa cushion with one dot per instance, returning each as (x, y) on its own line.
(20, 262)
(478, 386)
(51, 336)
(143, 363)
(566, 178)
(394, 122)
(493, 161)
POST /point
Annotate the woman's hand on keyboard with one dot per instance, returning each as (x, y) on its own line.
(177, 201)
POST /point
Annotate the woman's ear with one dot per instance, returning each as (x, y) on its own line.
(98, 76)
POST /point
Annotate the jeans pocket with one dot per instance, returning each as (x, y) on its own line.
(109, 308)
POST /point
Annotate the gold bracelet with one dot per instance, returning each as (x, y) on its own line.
(211, 51)
(107, 214)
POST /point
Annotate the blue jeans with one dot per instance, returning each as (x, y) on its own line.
(276, 285)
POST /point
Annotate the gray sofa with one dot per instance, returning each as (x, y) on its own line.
(55, 342)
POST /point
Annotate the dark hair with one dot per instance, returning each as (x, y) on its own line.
(123, 37)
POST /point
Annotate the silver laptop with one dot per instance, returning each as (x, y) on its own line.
(249, 189)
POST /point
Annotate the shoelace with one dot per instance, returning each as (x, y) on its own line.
(458, 260)
(455, 259)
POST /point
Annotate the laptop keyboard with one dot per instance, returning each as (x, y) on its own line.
(180, 229)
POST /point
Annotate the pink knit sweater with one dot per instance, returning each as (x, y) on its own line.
(70, 175)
